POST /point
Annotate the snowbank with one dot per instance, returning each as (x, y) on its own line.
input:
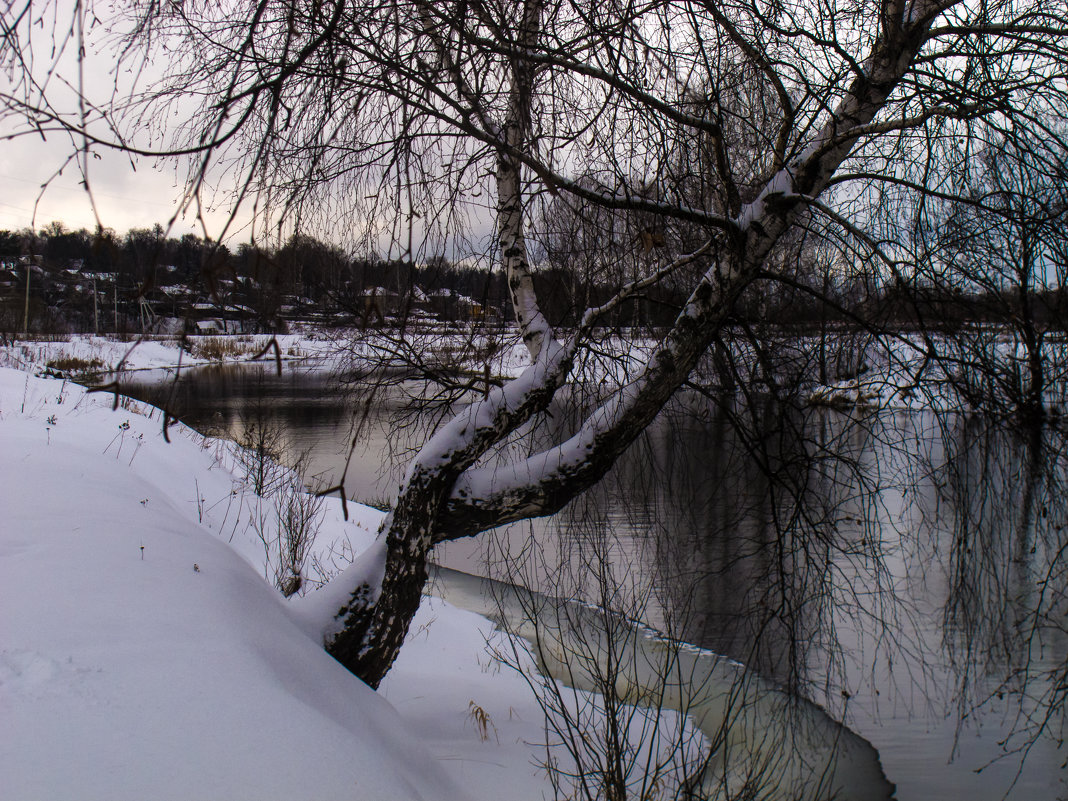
(101, 353)
(143, 655)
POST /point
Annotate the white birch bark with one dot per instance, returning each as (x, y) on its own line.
(445, 497)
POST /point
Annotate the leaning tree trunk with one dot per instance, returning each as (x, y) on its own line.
(444, 498)
(375, 628)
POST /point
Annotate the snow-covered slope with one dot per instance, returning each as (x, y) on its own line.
(141, 656)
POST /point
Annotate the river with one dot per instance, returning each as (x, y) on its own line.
(906, 572)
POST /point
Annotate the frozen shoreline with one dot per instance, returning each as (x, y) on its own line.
(104, 354)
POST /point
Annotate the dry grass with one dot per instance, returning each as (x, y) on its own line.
(217, 349)
(74, 364)
(482, 722)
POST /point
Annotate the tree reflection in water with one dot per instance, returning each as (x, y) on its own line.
(907, 571)
(1002, 499)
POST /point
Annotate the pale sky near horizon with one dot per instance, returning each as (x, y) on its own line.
(124, 198)
(128, 195)
(139, 193)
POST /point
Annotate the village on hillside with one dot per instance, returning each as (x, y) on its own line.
(59, 282)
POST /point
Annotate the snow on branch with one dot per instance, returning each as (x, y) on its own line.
(543, 482)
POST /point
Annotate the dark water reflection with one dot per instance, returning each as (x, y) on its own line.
(907, 572)
(312, 414)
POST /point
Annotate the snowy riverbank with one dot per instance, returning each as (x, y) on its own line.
(145, 656)
(860, 371)
(88, 353)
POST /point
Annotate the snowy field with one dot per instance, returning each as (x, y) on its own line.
(144, 655)
(448, 348)
(102, 353)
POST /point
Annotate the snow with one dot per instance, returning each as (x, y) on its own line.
(902, 373)
(151, 352)
(143, 655)
(614, 361)
(317, 612)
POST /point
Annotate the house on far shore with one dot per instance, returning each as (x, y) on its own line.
(209, 327)
(213, 319)
(377, 303)
(449, 305)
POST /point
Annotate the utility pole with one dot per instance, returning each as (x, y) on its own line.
(26, 309)
(96, 313)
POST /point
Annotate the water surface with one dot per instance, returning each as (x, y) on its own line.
(904, 571)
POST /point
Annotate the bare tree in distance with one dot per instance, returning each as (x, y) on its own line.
(1010, 248)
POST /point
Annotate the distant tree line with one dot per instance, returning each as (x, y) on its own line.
(303, 276)
(310, 278)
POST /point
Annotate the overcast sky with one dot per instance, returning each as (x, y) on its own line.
(125, 198)
(127, 194)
